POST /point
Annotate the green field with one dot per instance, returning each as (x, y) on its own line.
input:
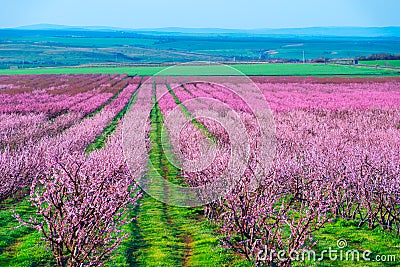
(32, 49)
(383, 63)
(278, 69)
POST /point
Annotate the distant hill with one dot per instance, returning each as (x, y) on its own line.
(393, 31)
(47, 45)
(37, 27)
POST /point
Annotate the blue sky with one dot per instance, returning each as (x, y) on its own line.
(244, 14)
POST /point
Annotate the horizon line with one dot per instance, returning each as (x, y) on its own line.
(180, 27)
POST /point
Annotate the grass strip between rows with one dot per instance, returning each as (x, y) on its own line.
(100, 140)
(164, 235)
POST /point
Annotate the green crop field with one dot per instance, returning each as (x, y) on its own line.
(278, 69)
(32, 49)
(384, 63)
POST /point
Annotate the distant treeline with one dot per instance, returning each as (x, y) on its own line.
(380, 57)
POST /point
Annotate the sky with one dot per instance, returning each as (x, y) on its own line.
(233, 14)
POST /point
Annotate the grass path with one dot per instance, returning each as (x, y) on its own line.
(19, 245)
(165, 235)
(100, 140)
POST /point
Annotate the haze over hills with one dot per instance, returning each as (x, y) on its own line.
(392, 31)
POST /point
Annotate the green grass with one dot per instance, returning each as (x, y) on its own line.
(309, 70)
(377, 241)
(383, 63)
(19, 245)
(247, 69)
